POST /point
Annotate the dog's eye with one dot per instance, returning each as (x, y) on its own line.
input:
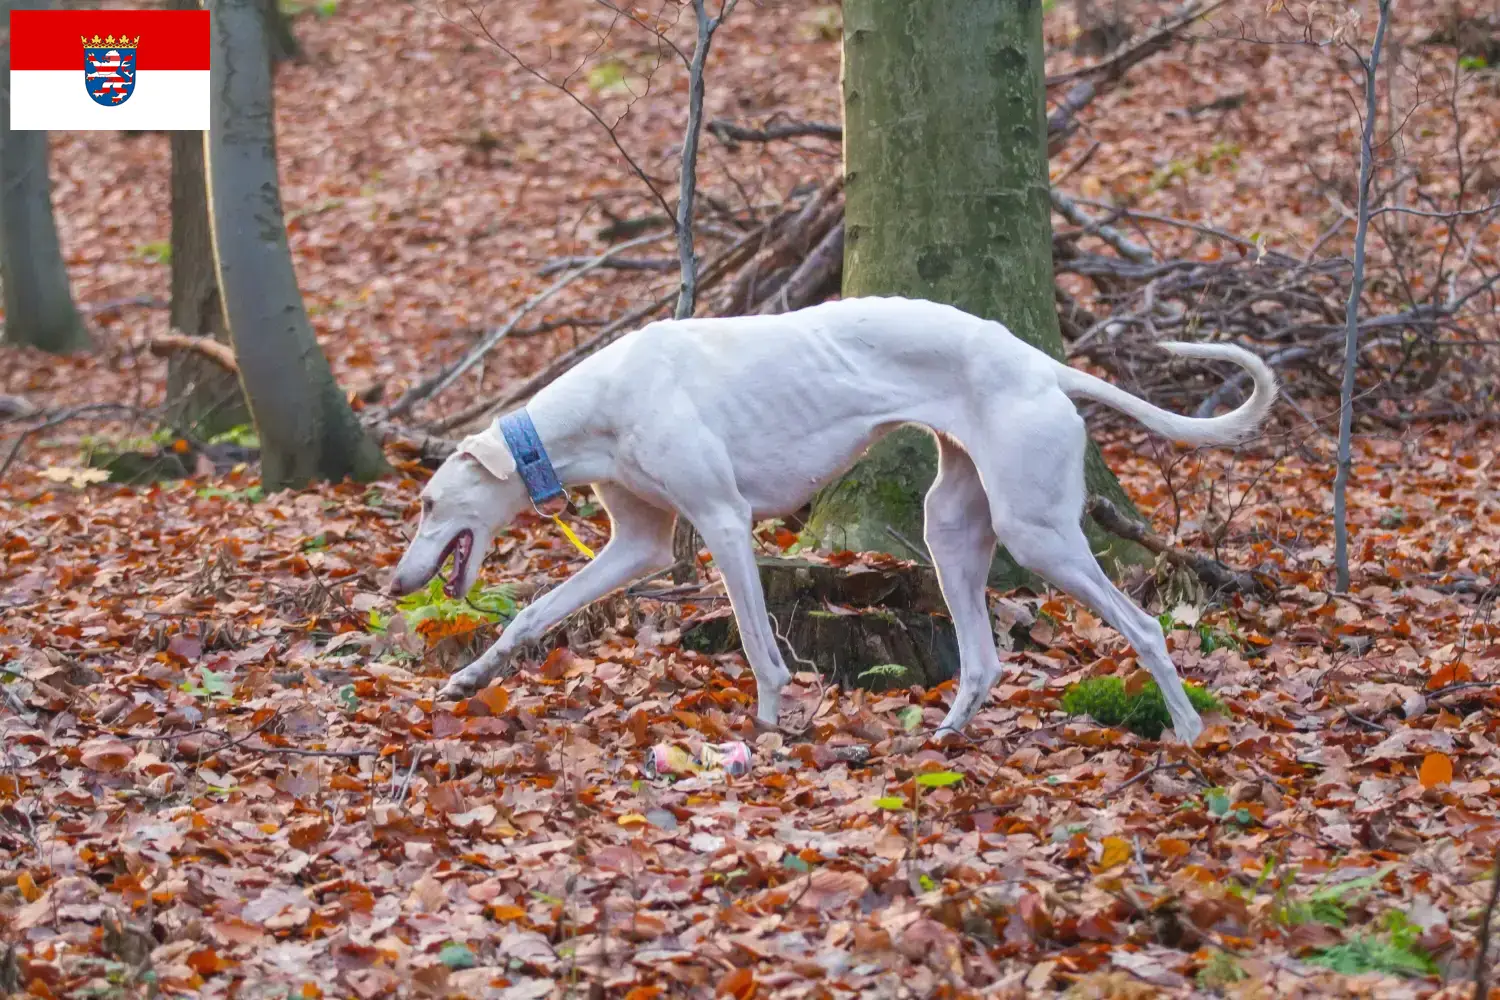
(426, 505)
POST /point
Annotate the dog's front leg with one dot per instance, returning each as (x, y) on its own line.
(640, 543)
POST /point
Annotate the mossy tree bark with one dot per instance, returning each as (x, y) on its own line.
(39, 308)
(946, 198)
(307, 430)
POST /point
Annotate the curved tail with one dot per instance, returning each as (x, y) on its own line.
(1229, 428)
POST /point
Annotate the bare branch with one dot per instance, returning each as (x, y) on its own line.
(630, 161)
(486, 345)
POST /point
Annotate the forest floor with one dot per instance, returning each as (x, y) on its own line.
(222, 771)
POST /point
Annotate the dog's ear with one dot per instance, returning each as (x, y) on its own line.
(490, 451)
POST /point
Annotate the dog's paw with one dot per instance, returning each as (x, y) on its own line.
(458, 687)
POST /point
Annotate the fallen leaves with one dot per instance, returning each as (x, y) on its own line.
(1437, 769)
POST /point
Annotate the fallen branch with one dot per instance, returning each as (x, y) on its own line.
(1212, 572)
(164, 345)
(617, 264)
(1114, 65)
(729, 132)
(1068, 209)
(12, 407)
(821, 267)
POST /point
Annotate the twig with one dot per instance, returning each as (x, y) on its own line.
(416, 759)
(608, 335)
(1209, 570)
(635, 168)
(486, 345)
(911, 546)
(1356, 289)
(115, 305)
(87, 410)
(164, 345)
(1481, 961)
(1175, 765)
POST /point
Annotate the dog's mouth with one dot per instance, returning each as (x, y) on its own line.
(461, 548)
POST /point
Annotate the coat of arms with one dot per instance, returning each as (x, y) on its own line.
(109, 68)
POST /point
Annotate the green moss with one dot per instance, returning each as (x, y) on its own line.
(1103, 699)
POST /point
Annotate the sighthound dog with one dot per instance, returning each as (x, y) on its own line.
(729, 421)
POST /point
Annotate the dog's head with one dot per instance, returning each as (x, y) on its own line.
(473, 493)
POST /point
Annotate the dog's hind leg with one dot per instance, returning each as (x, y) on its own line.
(962, 544)
(640, 543)
(1034, 471)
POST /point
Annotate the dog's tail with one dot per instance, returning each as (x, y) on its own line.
(1228, 428)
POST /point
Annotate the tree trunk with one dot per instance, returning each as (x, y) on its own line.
(946, 198)
(205, 397)
(280, 40)
(39, 309)
(307, 430)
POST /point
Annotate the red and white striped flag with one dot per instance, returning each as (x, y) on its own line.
(108, 69)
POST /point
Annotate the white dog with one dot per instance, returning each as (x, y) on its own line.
(728, 421)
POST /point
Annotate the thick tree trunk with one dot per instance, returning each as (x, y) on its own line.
(39, 309)
(307, 430)
(946, 198)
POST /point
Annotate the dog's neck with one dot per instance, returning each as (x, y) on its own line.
(580, 452)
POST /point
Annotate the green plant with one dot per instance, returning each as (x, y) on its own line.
(1473, 62)
(1222, 969)
(157, 252)
(1144, 713)
(433, 613)
(241, 434)
(209, 685)
(1392, 950)
(1328, 904)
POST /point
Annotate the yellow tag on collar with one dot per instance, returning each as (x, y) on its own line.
(568, 533)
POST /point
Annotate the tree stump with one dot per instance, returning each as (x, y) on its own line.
(859, 626)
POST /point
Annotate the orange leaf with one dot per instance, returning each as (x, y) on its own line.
(737, 983)
(644, 993)
(1136, 682)
(1449, 673)
(28, 887)
(1117, 851)
(506, 912)
(1437, 769)
(496, 699)
(207, 961)
(1172, 847)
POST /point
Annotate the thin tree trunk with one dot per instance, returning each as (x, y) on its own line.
(1351, 311)
(205, 396)
(307, 430)
(39, 309)
(946, 198)
(281, 41)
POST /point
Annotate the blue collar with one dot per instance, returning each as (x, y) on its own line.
(531, 458)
